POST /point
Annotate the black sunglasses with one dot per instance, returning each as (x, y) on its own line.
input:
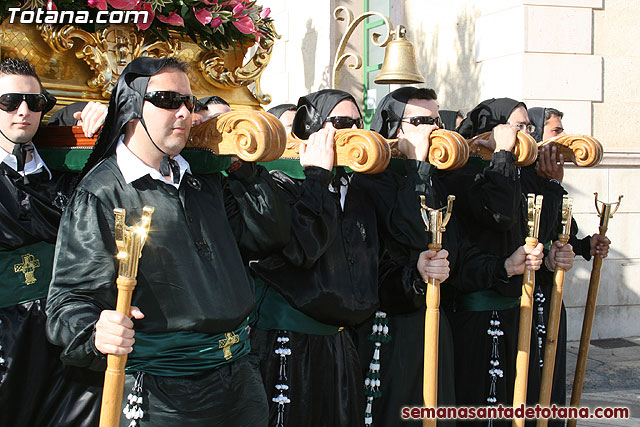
(423, 120)
(344, 122)
(11, 101)
(169, 100)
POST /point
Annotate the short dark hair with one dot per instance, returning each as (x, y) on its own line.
(178, 64)
(215, 100)
(19, 67)
(424, 93)
(548, 112)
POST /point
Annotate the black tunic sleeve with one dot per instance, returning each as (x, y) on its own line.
(491, 197)
(259, 216)
(85, 258)
(580, 246)
(314, 215)
(396, 199)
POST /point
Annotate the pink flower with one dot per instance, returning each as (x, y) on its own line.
(265, 13)
(123, 4)
(51, 5)
(100, 4)
(237, 10)
(150, 15)
(209, 3)
(203, 15)
(245, 25)
(216, 22)
(172, 19)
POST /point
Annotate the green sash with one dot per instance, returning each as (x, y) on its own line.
(25, 273)
(274, 312)
(172, 354)
(73, 160)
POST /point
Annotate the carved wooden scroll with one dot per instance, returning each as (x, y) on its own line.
(525, 149)
(582, 150)
(254, 136)
(447, 149)
(358, 149)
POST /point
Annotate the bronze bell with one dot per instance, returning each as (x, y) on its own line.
(399, 65)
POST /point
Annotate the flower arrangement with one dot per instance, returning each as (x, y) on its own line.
(212, 23)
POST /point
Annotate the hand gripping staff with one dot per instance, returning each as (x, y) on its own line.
(435, 223)
(526, 310)
(605, 212)
(551, 343)
(129, 241)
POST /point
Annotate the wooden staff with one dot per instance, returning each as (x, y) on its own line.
(605, 213)
(526, 311)
(555, 311)
(129, 241)
(435, 223)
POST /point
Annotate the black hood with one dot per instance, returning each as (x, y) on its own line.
(314, 109)
(127, 99)
(487, 115)
(388, 117)
(279, 110)
(536, 116)
(448, 118)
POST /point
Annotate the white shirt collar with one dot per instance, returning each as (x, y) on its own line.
(133, 168)
(35, 165)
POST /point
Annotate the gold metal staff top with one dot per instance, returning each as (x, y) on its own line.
(567, 214)
(130, 240)
(605, 212)
(434, 220)
(535, 208)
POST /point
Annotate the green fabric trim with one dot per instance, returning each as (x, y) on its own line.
(487, 300)
(173, 354)
(291, 167)
(65, 160)
(13, 287)
(480, 161)
(74, 159)
(274, 312)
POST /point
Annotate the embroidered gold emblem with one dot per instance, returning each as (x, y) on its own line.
(28, 268)
(226, 343)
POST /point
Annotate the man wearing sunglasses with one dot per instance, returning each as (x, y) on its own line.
(187, 344)
(35, 388)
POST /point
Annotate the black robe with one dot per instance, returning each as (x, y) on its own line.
(335, 254)
(191, 275)
(36, 389)
(491, 204)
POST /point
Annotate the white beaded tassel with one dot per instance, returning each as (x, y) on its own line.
(379, 335)
(282, 388)
(495, 372)
(133, 410)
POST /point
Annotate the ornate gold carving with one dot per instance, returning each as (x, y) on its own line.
(28, 268)
(253, 136)
(225, 344)
(107, 51)
(582, 150)
(78, 65)
(221, 73)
